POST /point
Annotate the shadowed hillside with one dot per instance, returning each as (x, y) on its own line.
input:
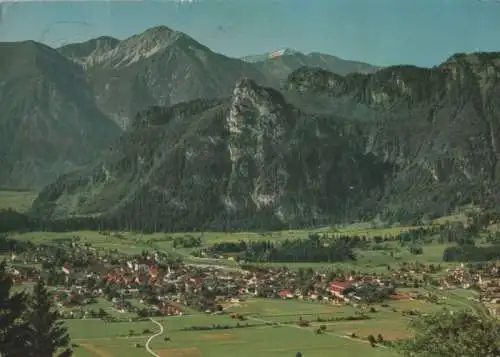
(410, 142)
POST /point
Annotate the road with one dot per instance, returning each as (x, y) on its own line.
(148, 342)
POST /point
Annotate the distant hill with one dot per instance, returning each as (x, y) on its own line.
(279, 64)
(49, 122)
(270, 55)
(400, 144)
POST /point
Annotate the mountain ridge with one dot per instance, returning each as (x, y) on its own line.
(399, 144)
(111, 79)
(280, 63)
(37, 135)
(159, 66)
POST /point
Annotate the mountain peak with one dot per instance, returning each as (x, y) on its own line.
(249, 96)
(246, 88)
(283, 52)
(159, 31)
(109, 52)
(158, 34)
(152, 41)
(474, 59)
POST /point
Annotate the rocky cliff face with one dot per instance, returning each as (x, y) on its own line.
(401, 143)
(439, 125)
(250, 160)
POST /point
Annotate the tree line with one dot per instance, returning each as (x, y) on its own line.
(312, 249)
(29, 325)
(471, 253)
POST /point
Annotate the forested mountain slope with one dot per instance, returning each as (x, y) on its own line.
(400, 143)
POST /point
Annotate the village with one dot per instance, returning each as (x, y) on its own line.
(152, 284)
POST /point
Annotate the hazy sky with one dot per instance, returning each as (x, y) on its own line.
(383, 32)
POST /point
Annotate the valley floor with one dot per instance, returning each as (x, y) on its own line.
(95, 338)
(274, 330)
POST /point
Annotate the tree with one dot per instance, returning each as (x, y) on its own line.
(47, 335)
(372, 341)
(451, 334)
(11, 309)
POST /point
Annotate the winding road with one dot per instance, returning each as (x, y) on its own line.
(148, 342)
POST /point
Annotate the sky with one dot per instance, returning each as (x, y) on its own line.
(380, 32)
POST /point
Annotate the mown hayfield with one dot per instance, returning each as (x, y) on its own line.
(88, 329)
(265, 341)
(375, 261)
(369, 261)
(291, 308)
(126, 242)
(96, 338)
(112, 348)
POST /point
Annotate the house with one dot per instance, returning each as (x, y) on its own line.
(285, 294)
(337, 288)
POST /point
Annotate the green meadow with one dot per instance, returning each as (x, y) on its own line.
(96, 338)
(272, 331)
(17, 200)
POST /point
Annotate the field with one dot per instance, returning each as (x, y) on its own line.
(95, 338)
(17, 200)
(128, 243)
(132, 243)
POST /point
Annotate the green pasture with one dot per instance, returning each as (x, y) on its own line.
(370, 261)
(125, 242)
(88, 329)
(19, 201)
(263, 341)
(375, 261)
(278, 307)
(95, 338)
(132, 243)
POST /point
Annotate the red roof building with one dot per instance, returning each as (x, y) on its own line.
(338, 287)
(284, 294)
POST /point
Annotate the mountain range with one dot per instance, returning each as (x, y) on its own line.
(158, 132)
(61, 107)
(279, 64)
(400, 144)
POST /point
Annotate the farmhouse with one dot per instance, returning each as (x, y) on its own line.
(286, 294)
(337, 288)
